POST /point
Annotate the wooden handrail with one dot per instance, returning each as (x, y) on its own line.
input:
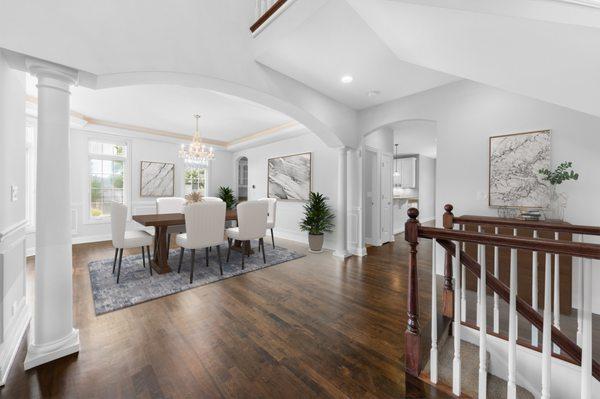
(583, 250)
(268, 14)
(523, 308)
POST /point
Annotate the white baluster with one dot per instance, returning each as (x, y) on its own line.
(515, 233)
(556, 292)
(483, 328)
(534, 290)
(433, 354)
(478, 318)
(547, 330)
(456, 326)
(258, 9)
(586, 337)
(263, 7)
(512, 328)
(463, 285)
(579, 266)
(496, 274)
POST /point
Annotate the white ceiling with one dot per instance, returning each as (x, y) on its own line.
(170, 108)
(335, 41)
(545, 54)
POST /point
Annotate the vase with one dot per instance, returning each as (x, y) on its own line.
(315, 242)
(558, 205)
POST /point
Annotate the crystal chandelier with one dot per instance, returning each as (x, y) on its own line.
(196, 152)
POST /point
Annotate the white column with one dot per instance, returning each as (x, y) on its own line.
(53, 335)
(341, 250)
(483, 325)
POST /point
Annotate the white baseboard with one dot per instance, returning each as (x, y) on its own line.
(12, 340)
(40, 354)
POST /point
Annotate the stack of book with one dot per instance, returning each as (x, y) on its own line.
(531, 215)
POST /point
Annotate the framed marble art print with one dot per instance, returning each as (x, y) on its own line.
(289, 177)
(514, 164)
(157, 179)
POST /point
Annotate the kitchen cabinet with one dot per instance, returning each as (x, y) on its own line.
(407, 172)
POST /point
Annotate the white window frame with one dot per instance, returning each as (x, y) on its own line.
(89, 219)
(30, 173)
(206, 177)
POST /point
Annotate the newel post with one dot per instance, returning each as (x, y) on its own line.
(412, 335)
(448, 296)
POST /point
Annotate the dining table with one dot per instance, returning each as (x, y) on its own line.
(161, 222)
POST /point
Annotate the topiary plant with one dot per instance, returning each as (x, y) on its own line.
(560, 174)
(318, 215)
(226, 194)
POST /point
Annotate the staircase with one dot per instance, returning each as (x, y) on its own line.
(554, 364)
(469, 381)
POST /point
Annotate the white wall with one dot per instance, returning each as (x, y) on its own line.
(467, 114)
(426, 188)
(141, 148)
(15, 312)
(324, 180)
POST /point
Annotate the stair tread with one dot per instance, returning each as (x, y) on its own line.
(496, 387)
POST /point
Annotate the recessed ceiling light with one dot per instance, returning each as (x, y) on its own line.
(347, 79)
(373, 93)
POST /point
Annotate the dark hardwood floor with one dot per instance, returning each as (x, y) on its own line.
(313, 327)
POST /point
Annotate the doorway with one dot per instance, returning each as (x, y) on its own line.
(242, 180)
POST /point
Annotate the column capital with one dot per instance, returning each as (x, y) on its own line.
(45, 69)
(343, 149)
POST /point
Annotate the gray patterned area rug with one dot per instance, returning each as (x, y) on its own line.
(137, 286)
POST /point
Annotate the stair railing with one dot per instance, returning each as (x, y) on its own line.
(265, 9)
(458, 261)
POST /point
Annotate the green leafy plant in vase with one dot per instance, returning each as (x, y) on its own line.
(318, 219)
(558, 201)
(226, 194)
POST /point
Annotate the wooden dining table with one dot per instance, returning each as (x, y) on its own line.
(160, 222)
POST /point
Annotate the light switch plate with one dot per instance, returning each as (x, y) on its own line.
(14, 191)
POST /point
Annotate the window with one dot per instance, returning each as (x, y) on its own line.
(30, 172)
(107, 177)
(195, 180)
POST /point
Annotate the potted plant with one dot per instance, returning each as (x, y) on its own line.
(318, 219)
(562, 173)
(226, 194)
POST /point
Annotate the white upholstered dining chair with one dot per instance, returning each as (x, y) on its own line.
(216, 199)
(271, 216)
(252, 225)
(204, 224)
(171, 205)
(122, 239)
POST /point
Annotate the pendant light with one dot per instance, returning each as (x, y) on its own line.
(396, 173)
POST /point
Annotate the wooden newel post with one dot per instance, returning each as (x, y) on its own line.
(412, 335)
(448, 296)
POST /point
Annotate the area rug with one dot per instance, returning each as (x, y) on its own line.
(137, 286)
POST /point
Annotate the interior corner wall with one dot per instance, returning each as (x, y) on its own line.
(426, 188)
(467, 114)
(324, 180)
(15, 314)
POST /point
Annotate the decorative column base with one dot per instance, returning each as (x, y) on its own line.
(342, 254)
(40, 354)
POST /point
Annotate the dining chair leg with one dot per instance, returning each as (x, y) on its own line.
(272, 239)
(180, 259)
(115, 261)
(143, 258)
(261, 243)
(243, 254)
(149, 258)
(168, 242)
(119, 269)
(228, 249)
(192, 269)
(206, 257)
(219, 256)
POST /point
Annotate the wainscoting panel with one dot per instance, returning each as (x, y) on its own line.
(15, 311)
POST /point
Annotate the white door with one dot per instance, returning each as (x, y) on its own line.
(386, 198)
(371, 187)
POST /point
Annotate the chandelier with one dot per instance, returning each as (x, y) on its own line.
(196, 152)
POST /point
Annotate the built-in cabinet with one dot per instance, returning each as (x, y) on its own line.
(406, 172)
